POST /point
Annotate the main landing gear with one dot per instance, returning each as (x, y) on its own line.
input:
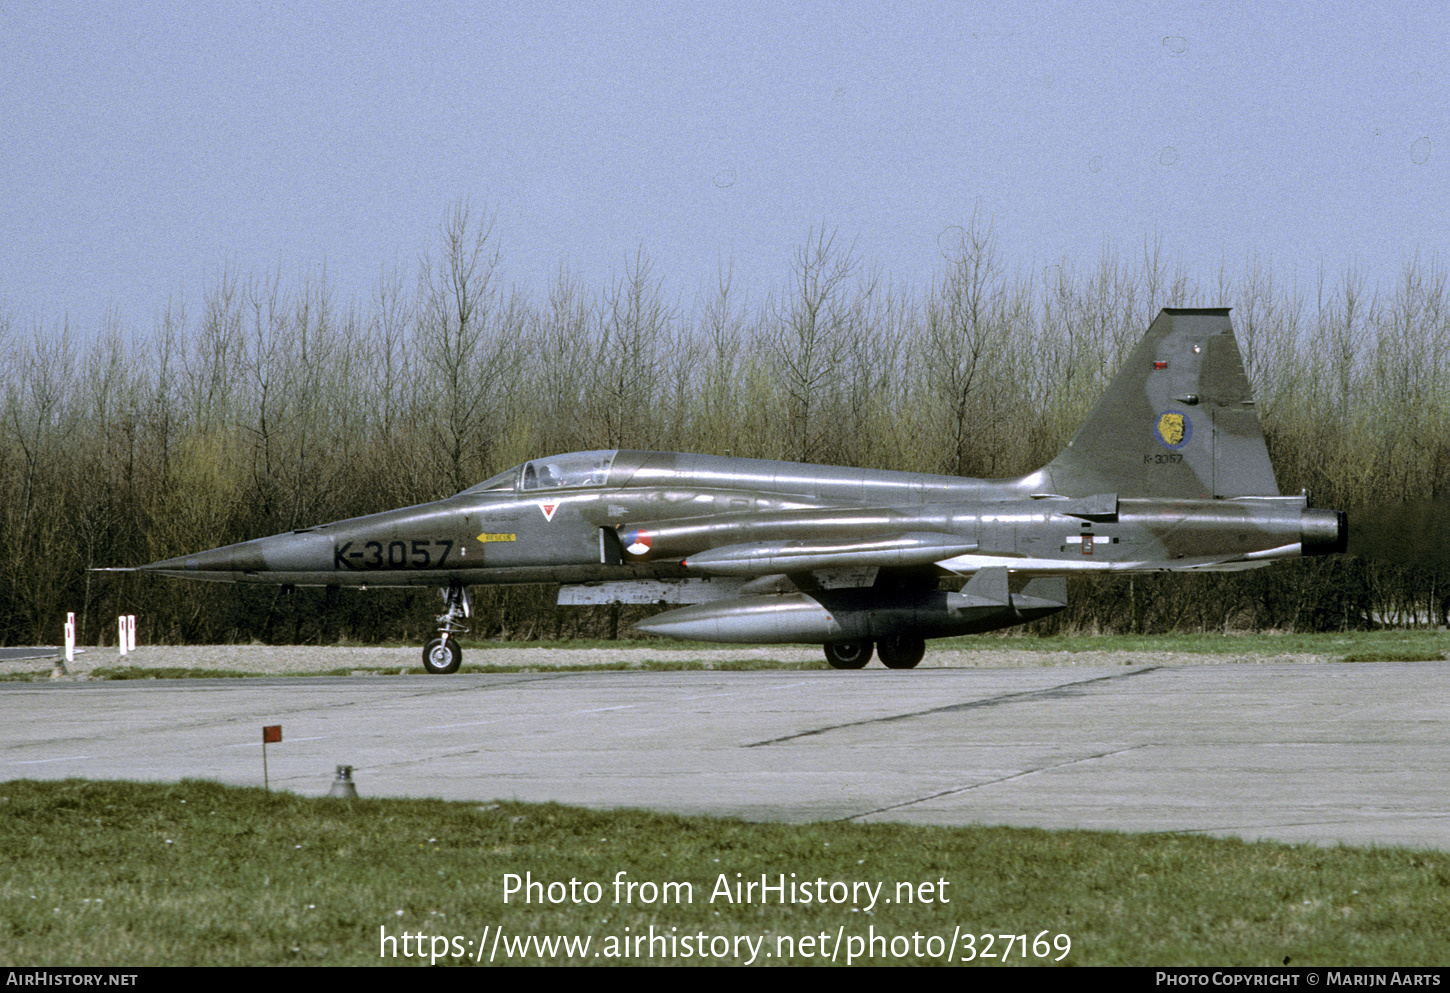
(898, 651)
(849, 654)
(901, 651)
(443, 654)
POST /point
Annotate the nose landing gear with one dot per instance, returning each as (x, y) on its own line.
(443, 654)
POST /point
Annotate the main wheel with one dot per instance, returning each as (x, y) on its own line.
(442, 657)
(901, 651)
(848, 654)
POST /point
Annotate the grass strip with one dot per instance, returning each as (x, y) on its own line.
(1351, 646)
(1390, 656)
(195, 873)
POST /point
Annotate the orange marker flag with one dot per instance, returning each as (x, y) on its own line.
(271, 733)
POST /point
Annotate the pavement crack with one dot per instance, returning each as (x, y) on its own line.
(277, 713)
(1061, 691)
(992, 782)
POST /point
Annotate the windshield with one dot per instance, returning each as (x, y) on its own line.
(503, 481)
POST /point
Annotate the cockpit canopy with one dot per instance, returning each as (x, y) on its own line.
(557, 472)
(564, 471)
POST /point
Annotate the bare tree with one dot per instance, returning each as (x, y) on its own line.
(723, 326)
(963, 341)
(636, 323)
(462, 348)
(210, 361)
(811, 334)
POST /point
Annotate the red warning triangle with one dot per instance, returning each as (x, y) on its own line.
(548, 509)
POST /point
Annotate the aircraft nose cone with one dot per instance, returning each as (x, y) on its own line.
(230, 558)
(291, 552)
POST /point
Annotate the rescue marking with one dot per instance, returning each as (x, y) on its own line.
(548, 509)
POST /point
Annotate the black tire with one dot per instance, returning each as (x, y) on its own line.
(901, 651)
(442, 657)
(849, 654)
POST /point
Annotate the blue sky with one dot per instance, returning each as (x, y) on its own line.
(150, 145)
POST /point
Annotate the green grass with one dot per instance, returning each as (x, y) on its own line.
(167, 672)
(1352, 646)
(1330, 644)
(1018, 639)
(1412, 655)
(115, 873)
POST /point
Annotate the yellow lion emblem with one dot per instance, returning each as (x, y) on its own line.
(1170, 429)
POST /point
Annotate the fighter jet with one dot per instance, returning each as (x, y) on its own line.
(1168, 473)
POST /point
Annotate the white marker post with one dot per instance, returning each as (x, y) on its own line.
(130, 632)
(121, 629)
(69, 655)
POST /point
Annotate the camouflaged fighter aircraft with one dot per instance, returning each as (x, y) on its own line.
(1169, 473)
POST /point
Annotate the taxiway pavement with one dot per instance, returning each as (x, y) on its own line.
(1323, 753)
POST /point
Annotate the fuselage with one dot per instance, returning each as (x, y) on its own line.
(590, 517)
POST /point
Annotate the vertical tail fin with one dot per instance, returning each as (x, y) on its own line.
(1178, 420)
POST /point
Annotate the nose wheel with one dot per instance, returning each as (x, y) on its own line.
(443, 654)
